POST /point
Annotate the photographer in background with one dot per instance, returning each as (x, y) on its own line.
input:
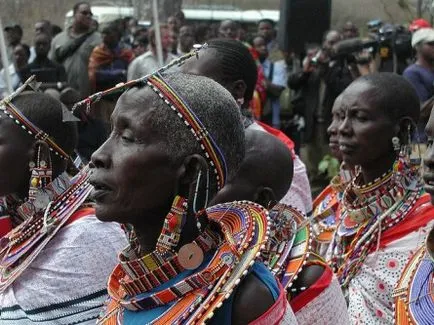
(421, 74)
(326, 73)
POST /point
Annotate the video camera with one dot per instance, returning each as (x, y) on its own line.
(386, 40)
(353, 46)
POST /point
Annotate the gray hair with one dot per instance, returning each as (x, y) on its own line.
(216, 109)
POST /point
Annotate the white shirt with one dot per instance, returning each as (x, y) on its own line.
(145, 64)
(15, 80)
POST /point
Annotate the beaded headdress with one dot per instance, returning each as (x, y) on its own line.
(174, 101)
(11, 111)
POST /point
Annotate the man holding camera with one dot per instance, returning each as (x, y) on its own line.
(327, 71)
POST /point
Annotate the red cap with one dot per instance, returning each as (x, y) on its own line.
(418, 24)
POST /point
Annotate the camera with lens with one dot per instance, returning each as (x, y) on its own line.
(394, 39)
(348, 49)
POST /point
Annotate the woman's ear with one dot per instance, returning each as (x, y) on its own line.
(187, 174)
(265, 196)
(239, 89)
(405, 129)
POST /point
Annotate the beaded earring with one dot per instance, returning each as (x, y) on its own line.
(396, 144)
(196, 191)
(41, 172)
(172, 227)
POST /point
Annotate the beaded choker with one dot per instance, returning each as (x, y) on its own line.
(224, 257)
(23, 244)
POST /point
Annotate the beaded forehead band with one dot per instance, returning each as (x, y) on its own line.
(195, 125)
(178, 105)
(11, 111)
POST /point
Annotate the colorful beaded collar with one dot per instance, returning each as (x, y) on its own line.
(290, 245)
(414, 294)
(244, 229)
(402, 190)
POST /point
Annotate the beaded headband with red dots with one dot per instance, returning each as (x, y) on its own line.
(11, 111)
(210, 148)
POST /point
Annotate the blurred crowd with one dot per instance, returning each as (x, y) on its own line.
(295, 92)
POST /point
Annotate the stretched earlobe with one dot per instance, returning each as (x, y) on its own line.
(265, 196)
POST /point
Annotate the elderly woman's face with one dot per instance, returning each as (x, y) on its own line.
(133, 175)
(365, 134)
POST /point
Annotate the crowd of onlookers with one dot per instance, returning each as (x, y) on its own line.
(295, 92)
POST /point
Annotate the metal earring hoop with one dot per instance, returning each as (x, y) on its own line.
(396, 144)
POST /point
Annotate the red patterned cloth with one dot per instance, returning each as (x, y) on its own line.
(101, 55)
(260, 93)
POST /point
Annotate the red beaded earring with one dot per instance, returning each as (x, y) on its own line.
(171, 232)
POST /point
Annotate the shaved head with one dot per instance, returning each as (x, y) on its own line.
(265, 173)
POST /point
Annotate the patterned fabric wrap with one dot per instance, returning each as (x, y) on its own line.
(66, 282)
(320, 311)
(20, 247)
(370, 293)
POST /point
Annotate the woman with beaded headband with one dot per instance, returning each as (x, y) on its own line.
(174, 143)
(230, 63)
(309, 282)
(385, 212)
(414, 294)
(55, 261)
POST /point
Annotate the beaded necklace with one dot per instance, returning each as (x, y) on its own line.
(23, 244)
(290, 245)
(243, 230)
(326, 212)
(301, 248)
(367, 211)
(283, 230)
